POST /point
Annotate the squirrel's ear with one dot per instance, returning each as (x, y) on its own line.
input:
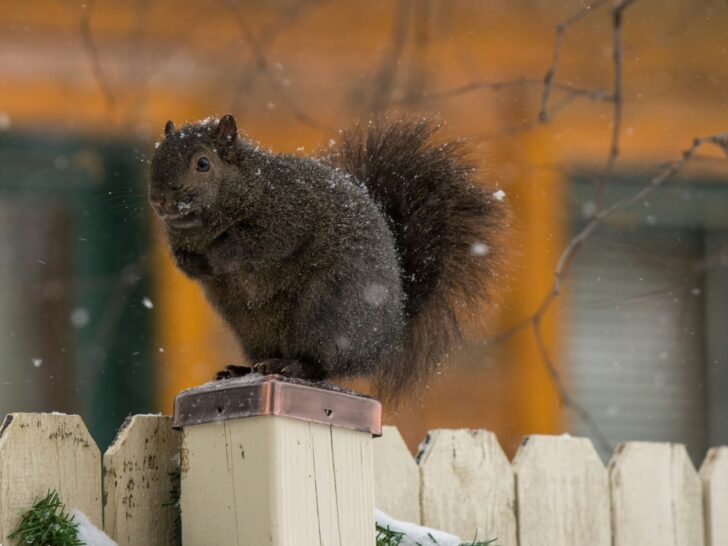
(168, 128)
(227, 129)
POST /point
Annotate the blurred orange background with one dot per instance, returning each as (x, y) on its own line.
(293, 72)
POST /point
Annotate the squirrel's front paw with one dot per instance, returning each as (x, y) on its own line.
(193, 264)
(222, 255)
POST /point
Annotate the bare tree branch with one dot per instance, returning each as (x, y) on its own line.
(575, 92)
(564, 396)
(93, 54)
(267, 36)
(548, 81)
(418, 68)
(384, 80)
(264, 67)
(566, 259)
(618, 101)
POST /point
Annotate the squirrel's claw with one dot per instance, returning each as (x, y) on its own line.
(276, 365)
(232, 371)
(288, 368)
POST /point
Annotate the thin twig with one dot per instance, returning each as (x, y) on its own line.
(418, 69)
(93, 54)
(264, 67)
(529, 124)
(563, 268)
(566, 258)
(386, 75)
(566, 399)
(614, 146)
(548, 81)
(591, 94)
(266, 38)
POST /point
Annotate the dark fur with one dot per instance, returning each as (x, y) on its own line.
(426, 190)
(352, 264)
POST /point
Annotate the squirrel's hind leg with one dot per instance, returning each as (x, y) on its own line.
(289, 368)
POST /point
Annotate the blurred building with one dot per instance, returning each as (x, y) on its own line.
(95, 319)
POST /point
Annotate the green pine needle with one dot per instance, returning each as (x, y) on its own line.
(47, 524)
(388, 537)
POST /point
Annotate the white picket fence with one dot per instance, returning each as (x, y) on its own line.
(555, 492)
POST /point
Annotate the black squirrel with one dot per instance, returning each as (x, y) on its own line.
(357, 262)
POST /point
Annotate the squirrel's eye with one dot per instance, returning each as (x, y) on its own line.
(203, 164)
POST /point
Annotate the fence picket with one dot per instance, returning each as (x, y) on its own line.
(467, 486)
(43, 451)
(714, 478)
(140, 471)
(396, 477)
(556, 492)
(214, 484)
(656, 496)
(276, 480)
(562, 491)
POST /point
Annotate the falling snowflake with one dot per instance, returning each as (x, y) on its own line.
(146, 302)
(588, 209)
(61, 162)
(80, 317)
(37, 362)
(343, 343)
(375, 294)
(479, 249)
(499, 195)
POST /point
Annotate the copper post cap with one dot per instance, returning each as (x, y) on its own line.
(255, 394)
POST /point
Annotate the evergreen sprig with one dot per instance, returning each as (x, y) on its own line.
(47, 524)
(389, 537)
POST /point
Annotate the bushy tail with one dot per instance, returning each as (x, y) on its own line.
(447, 229)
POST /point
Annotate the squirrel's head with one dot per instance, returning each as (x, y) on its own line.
(193, 169)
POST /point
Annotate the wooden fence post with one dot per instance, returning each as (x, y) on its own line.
(266, 460)
(141, 482)
(714, 476)
(656, 496)
(43, 451)
(396, 477)
(562, 493)
(467, 486)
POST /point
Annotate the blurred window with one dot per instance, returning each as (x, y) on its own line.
(642, 344)
(75, 322)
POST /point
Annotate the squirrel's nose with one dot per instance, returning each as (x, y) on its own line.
(163, 204)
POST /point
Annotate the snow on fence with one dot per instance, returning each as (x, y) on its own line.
(556, 490)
